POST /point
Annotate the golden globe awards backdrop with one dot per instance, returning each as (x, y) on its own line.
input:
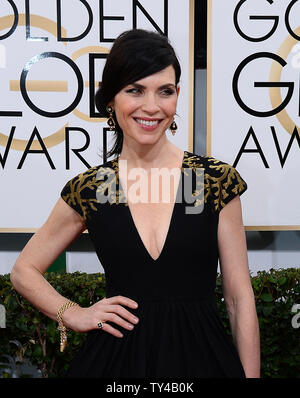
(254, 104)
(52, 55)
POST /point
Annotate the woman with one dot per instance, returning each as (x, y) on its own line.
(159, 317)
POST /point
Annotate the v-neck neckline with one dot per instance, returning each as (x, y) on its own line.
(171, 218)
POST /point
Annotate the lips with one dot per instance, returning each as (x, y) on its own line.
(147, 122)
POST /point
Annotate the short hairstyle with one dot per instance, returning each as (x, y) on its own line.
(135, 54)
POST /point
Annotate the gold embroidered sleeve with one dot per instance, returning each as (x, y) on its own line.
(225, 183)
(79, 192)
(71, 195)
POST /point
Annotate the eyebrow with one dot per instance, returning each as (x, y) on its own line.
(168, 85)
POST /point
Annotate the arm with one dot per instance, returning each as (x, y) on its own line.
(237, 289)
(62, 227)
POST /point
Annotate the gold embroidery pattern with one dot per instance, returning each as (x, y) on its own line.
(77, 191)
(72, 192)
(225, 183)
(115, 193)
(193, 162)
(221, 182)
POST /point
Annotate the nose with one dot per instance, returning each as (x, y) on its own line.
(150, 104)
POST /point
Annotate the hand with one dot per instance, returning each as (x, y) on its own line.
(109, 309)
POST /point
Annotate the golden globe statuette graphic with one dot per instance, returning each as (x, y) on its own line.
(47, 86)
(284, 51)
(278, 52)
(58, 86)
(29, 85)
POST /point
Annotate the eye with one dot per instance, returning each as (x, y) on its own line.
(133, 90)
(167, 92)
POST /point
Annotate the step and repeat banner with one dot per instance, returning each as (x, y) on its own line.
(254, 104)
(52, 54)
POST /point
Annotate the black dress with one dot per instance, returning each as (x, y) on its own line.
(179, 333)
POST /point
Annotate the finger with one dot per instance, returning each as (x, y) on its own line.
(118, 309)
(104, 305)
(112, 317)
(109, 329)
(121, 300)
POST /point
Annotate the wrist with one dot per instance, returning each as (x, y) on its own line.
(69, 314)
(61, 325)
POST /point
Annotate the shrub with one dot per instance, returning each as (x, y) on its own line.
(37, 333)
(276, 291)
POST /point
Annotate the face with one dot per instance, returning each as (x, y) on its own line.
(146, 108)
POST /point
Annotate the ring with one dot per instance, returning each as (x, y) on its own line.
(100, 325)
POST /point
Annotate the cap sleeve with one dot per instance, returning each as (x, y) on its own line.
(71, 195)
(225, 183)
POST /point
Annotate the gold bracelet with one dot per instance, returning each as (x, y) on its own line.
(61, 326)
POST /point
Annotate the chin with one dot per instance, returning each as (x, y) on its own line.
(149, 139)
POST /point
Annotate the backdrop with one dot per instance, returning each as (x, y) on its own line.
(51, 59)
(254, 104)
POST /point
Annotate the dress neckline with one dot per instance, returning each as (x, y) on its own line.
(171, 222)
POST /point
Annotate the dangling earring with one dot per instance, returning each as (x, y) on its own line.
(111, 121)
(173, 127)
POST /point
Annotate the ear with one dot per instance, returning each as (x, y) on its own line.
(178, 89)
(112, 104)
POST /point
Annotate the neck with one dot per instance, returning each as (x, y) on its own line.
(147, 156)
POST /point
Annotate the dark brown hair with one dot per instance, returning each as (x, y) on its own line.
(134, 55)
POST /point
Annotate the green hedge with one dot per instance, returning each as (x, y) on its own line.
(276, 292)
